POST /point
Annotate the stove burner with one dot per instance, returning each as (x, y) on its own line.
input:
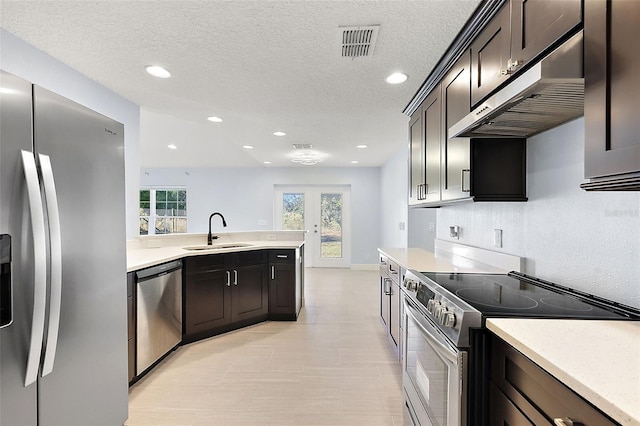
(567, 303)
(496, 298)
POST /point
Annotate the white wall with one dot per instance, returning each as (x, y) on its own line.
(394, 226)
(245, 197)
(23, 60)
(589, 241)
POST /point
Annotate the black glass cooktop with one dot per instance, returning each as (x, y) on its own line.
(522, 296)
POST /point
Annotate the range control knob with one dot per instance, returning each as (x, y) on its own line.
(448, 319)
(410, 285)
(431, 306)
(439, 310)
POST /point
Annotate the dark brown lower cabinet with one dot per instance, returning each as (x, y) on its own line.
(208, 301)
(223, 292)
(249, 293)
(522, 393)
(284, 284)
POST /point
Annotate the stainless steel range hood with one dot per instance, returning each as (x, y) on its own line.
(548, 94)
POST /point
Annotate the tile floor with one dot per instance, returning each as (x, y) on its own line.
(334, 366)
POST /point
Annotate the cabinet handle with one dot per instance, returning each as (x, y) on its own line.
(387, 281)
(228, 279)
(235, 277)
(504, 71)
(511, 64)
(565, 421)
(273, 272)
(282, 256)
(462, 177)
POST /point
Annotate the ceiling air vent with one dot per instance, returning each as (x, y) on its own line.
(358, 41)
(302, 146)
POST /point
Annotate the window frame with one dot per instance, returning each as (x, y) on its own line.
(153, 215)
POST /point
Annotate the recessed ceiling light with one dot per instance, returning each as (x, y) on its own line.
(266, 162)
(362, 146)
(247, 146)
(215, 119)
(172, 146)
(279, 133)
(158, 71)
(396, 78)
(354, 162)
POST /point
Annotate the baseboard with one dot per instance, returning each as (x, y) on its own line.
(365, 266)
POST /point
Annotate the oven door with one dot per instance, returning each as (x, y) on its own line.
(434, 371)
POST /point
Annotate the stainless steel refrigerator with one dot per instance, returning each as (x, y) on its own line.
(63, 336)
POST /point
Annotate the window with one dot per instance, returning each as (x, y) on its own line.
(165, 208)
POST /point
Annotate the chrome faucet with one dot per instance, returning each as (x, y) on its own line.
(224, 223)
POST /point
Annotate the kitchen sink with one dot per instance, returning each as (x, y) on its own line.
(217, 246)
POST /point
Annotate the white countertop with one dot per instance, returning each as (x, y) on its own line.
(153, 250)
(599, 360)
(444, 259)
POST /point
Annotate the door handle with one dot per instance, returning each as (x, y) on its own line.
(39, 266)
(228, 279)
(55, 253)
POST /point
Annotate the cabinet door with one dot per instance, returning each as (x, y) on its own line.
(394, 313)
(282, 289)
(432, 122)
(207, 301)
(490, 52)
(612, 87)
(385, 285)
(250, 292)
(537, 24)
(502, 411)
(416, 158)
(456, 152)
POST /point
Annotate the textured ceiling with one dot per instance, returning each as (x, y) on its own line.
(260, 65)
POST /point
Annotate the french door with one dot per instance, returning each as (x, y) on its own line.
(323, 211)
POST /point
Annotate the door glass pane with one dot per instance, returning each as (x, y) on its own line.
(292, 212)
(331, 225)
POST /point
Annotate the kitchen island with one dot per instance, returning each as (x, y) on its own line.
(598, 360)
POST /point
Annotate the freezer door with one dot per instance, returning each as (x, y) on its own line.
(88, 384)
(18, 404)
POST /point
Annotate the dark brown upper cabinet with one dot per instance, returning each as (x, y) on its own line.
(520, 32)
(425, 127)
(612, 94)
(416, 158)
(456, 95)
(490, 52)
(433, 131)
(538, 24)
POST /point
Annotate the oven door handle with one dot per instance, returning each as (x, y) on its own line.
(451, 355)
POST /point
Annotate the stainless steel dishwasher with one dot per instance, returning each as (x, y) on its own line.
(158, 311)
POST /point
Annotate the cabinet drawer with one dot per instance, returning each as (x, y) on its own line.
(204, 264)
(535, 392)
(254, 257)
(282, 256)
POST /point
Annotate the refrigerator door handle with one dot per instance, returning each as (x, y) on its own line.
(55, 271)
(39, 266)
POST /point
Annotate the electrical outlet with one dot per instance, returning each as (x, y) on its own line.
(432, 226)
(272, 237)
(454, 232)
(402, 226)
(497, 238)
